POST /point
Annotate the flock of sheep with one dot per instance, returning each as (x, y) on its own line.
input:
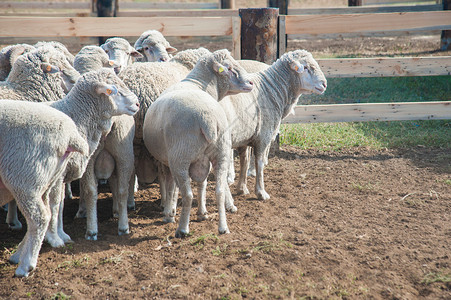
(123, 113)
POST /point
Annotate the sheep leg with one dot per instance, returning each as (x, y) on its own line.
(171, 195)
(37, 215)
(113, 183)
(231, 172)
(229, 203)
(162, 179)
(183, 181)
(244, 165)
(68, 192)
(259, 180)
(120, 197)
(221, 191)
(202, 213)
(11, 218)
(88, 192)
(131, 191)
(56, 194)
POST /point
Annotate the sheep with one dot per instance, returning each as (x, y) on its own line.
(33, 78)
(35, 148)
(91, 58)
(8, 55)
(116, 147)
(58, 46)
(185, 129)
(154, 47)
(120, 51)
(92, 103)
(255, 117)
(148, 81)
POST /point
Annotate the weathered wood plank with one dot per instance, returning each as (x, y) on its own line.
(120, 26)
(384, 2)
(364, 9)
(386, 67)
(236, 37)
(180, 13)
(87, 5)
(45, 5)
(399, 111)
(322, 24)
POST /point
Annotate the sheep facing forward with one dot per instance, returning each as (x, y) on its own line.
(154, 47)
(185, 129)
(120, 51)
(35, 148)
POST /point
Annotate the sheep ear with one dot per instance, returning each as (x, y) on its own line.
(171, 50)
(219, 68)
(136, 54)
(297, 66)
(107, 89)
(15, 53)
(48, 68)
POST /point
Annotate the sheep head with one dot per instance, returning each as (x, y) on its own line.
(154, 47)
(121, 52)
(306, 72)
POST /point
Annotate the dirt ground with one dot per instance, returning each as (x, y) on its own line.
(354, 224)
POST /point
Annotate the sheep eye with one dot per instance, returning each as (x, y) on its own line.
(106, 50)
(146, 48)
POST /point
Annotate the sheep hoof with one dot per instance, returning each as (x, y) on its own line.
(123, 231)
(202, 217)
(131, 207)
(15, 226)
(180, 233)
(91, 236)
(115, 215)
(231, 208)
(224, 230)
(23, 271)
(81, 214)
(251, 173)
(243, 191)
(263, 195)
(169, 219)
(230, 180)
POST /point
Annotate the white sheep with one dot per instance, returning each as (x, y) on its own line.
(40, 75)
(185, 129)
(91, 58)
(148, 81)
(8, 55)
(58, 46)
(35, 146)
(154, 47)
(92, 103)
(120, 51)
(115, 151)
(255, 117)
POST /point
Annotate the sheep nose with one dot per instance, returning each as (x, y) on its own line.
(162, 59)
(324, 84)
(251, 83)
(137, 104)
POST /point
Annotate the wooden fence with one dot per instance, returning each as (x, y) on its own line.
(307, 24)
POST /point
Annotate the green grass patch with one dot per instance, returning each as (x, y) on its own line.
(375, 135)
(382, 89)
(434, 277)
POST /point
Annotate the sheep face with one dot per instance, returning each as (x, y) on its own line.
(120, 51)
(121, 98)
(232, 78)
(306, 71)
(66, 71)
(154, 46)
(91, 58)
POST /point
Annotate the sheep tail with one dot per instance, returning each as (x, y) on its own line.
(78, 144)
(209, 132)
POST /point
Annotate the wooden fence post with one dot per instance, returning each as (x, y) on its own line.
(259, 38)
(282, 5)
(445, 40)
(227, 4)
(355, 2)
(106, 8)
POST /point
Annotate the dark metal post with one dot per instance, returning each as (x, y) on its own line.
(227, 4)
(445, 40)
(354, 2)
(106, 8)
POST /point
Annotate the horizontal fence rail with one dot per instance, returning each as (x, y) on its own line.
(399, 111)
(386, 67)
